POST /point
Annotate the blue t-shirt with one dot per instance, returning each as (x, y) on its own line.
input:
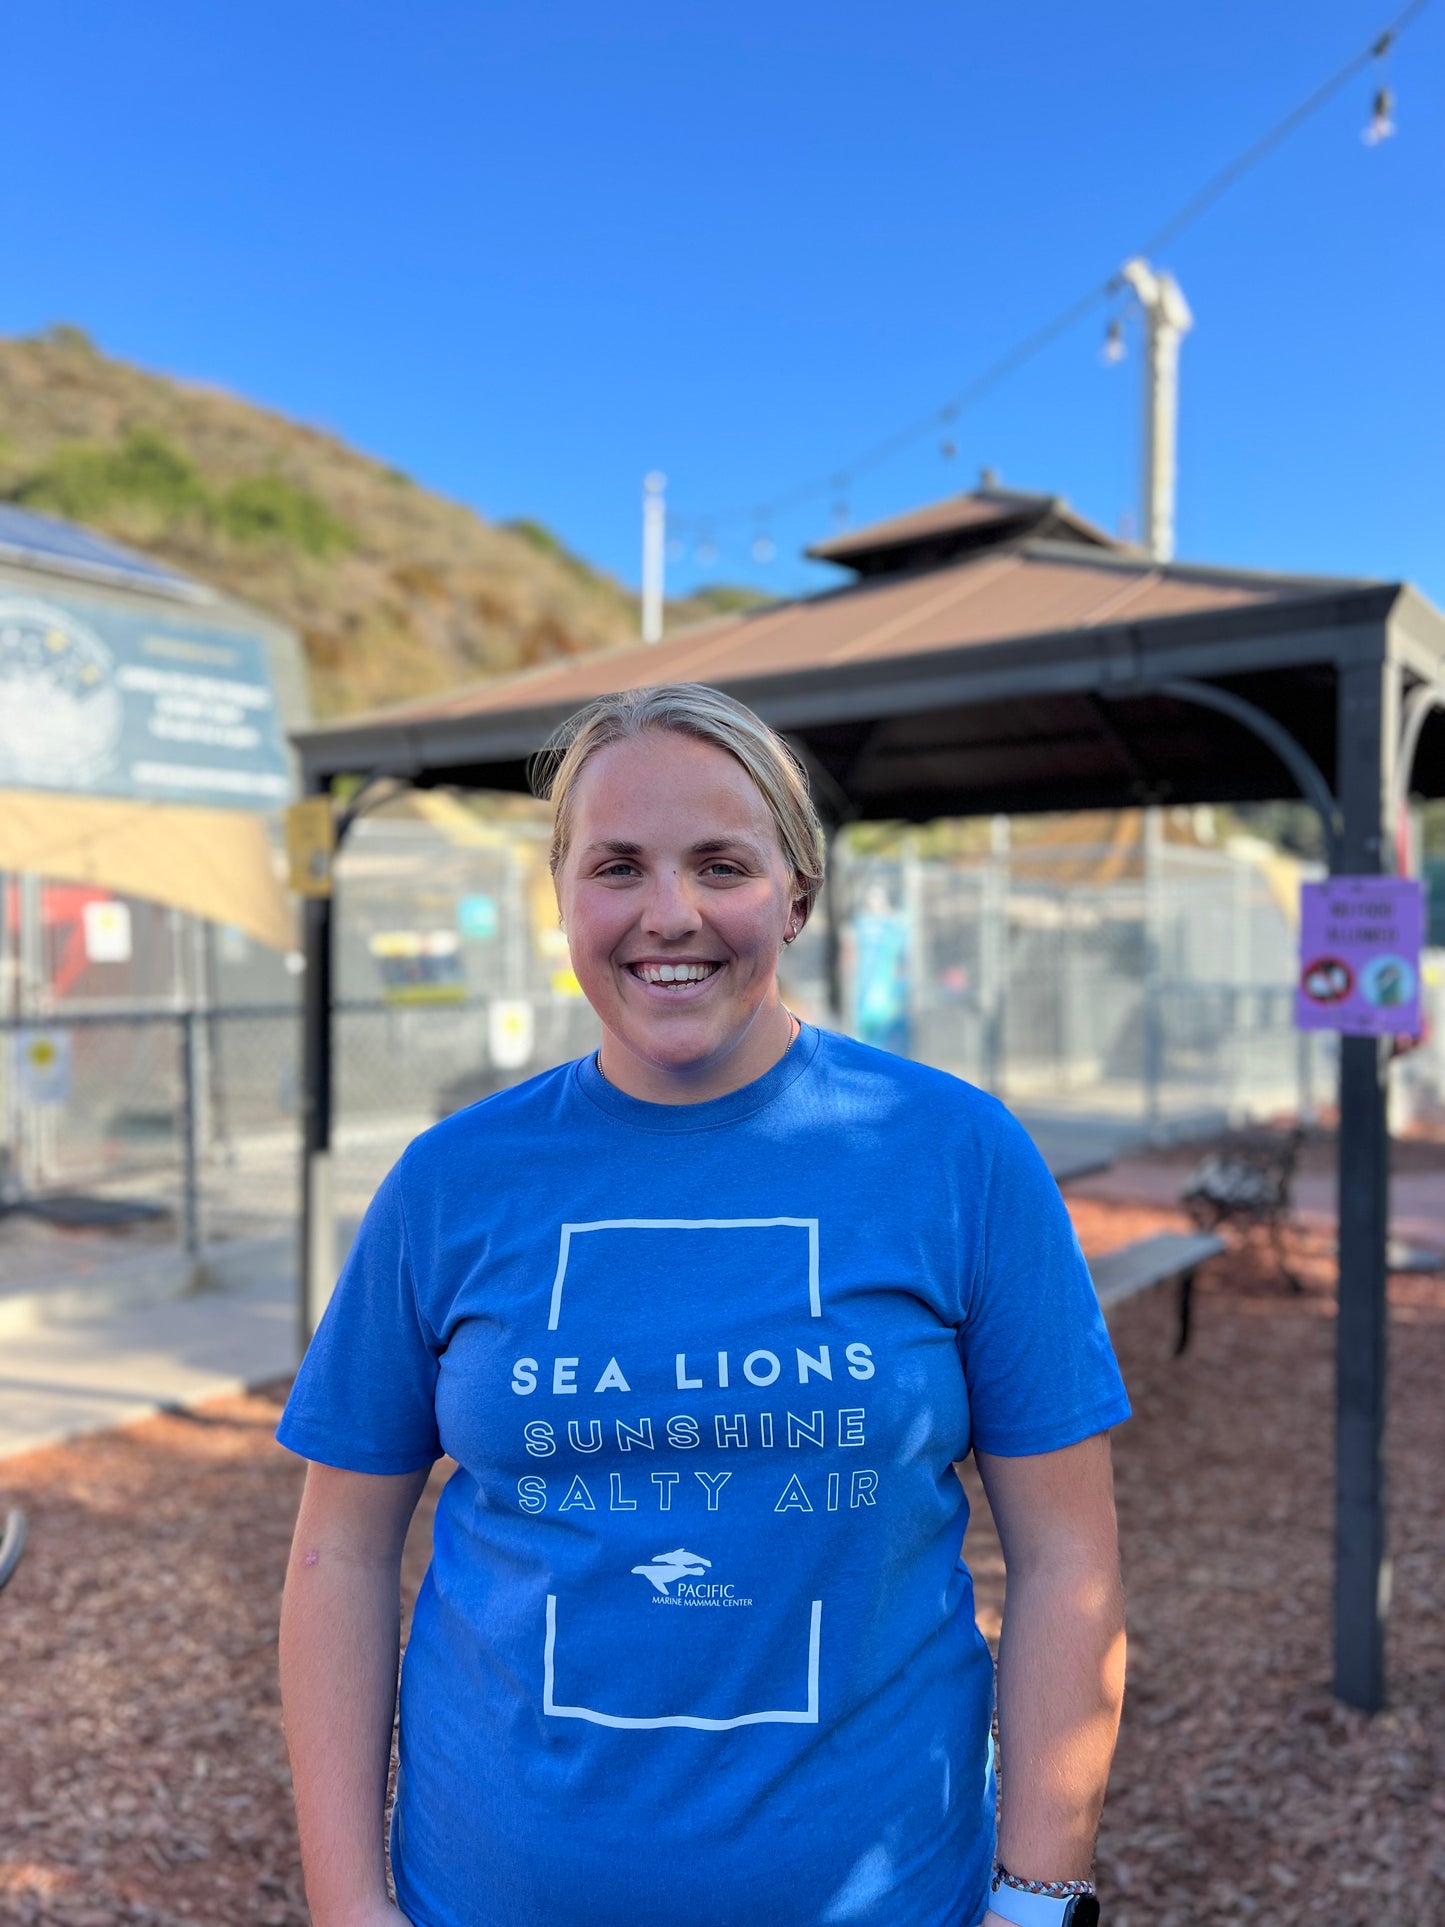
(696, 1642)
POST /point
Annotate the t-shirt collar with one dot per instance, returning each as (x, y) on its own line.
(746, 1101)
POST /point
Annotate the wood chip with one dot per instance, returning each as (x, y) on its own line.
(144, 1761)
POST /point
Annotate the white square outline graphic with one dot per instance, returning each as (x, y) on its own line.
(808, 1717)
(569, 1231)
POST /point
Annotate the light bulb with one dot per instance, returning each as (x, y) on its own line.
(763, 549)
(1381, 125)
(1114, 348)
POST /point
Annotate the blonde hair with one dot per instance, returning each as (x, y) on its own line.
(708, 716)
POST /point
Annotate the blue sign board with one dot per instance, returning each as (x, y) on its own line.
(99, 700)
(477, 918)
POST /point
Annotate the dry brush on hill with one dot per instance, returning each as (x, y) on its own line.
(395, 591)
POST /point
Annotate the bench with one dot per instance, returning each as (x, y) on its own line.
(1250, 1181)
(1160, 1259)
(12, 1543)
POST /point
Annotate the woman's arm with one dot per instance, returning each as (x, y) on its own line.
(340, 1637)
(1061, 1655)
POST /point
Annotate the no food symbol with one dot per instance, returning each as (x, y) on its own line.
(1328, 980)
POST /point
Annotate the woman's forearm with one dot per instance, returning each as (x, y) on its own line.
(1060, 1687)
(340, 1636)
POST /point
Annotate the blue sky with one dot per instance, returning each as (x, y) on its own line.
(528, 253)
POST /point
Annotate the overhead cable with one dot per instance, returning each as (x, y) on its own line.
(838, 478)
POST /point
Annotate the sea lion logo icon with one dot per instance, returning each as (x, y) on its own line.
(668, 1567)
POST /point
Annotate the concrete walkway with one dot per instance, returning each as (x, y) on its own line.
(62, 1377)
(1417, 1198)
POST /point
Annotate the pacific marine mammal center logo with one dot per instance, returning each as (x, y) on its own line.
(684, 1570)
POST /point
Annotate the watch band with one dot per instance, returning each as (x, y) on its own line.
(1043, 1910)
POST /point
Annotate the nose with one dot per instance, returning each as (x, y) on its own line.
(670, 912)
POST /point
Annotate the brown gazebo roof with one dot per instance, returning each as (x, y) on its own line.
(959, 525)
(1038, 589)
(1027, 673)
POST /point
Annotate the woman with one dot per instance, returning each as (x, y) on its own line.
(706, 1321)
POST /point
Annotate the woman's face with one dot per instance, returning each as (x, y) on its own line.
(676, 899)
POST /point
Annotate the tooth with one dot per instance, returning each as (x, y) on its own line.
(666, 974)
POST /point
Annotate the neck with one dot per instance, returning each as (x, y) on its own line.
(753, 1055)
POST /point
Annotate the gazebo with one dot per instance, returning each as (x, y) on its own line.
(995, 652)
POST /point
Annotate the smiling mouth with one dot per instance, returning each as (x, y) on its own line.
(678, 974)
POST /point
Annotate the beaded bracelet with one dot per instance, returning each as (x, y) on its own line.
(1050, 1889)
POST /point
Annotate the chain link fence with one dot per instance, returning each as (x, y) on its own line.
(1149, 988)
(192, 1117)
(1153, 985)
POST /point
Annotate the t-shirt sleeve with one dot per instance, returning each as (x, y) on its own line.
(1037, 1360)
(365, 1397)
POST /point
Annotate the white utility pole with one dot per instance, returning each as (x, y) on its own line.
(1167, 320)
(654, 541)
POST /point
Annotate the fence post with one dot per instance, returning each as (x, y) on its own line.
(1153, 966)
(833, 914)
(919, 960)
(1304, 1077)
(994, 954)
(190, 1147)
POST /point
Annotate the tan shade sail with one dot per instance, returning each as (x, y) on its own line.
(216, 864)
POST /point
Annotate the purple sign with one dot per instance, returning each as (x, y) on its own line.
(1360, 956)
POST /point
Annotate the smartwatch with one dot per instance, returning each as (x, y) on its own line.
(1043, 1910)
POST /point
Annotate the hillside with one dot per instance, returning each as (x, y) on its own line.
(395, 591)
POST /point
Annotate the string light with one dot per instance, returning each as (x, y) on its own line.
(1381, 128)
(764, 548)
(1382, 125)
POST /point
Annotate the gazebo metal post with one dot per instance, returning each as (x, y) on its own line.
(318, 1019)
(833, 926)
(318, 1213)
(1367, 723)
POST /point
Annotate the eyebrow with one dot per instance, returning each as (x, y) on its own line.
(710, 846)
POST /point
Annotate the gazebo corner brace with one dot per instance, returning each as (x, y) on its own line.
(1270, 731)
(1414, 714)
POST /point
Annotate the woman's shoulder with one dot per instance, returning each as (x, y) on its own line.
(862, 1076)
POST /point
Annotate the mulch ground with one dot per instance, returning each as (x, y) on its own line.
(143, 1775)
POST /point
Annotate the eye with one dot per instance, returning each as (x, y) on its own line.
(722, 866)
(619, 867)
